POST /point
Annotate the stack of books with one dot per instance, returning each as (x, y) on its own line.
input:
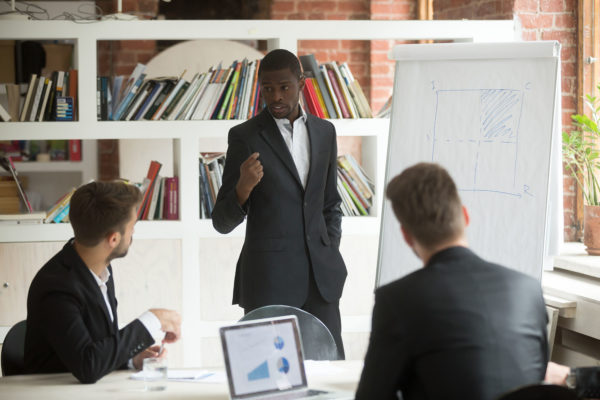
(220, 93)
(210, 173)
(355, 188)
(47, 98)
(160, 195)
(331, 90)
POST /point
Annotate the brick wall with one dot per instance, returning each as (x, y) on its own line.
(540, 20)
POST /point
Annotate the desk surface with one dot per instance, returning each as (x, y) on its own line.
(335, 375)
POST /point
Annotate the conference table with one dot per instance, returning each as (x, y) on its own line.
(328, 375)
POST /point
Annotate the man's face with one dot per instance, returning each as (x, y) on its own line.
(281, 91)
(126, 238)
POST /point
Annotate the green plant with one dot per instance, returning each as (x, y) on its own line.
(581, 151)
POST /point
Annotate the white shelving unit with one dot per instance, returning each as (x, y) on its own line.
(188, 136)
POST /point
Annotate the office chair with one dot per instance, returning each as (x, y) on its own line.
(13, 350)
(317, 341)
(540, 392)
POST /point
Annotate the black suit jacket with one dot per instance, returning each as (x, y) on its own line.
(288, 228)
(459, 328)
(68, 325)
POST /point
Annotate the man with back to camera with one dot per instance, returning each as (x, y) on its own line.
(71, 306)
(280, 173)
(460, 327)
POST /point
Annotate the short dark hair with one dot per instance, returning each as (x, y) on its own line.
(426, 202)
(98, 209)
(278, 59)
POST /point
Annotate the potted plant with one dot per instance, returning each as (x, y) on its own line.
(581, 154)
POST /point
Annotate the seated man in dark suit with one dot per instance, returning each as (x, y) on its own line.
(460, 327)
(72, 321)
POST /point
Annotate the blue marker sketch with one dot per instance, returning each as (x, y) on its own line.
(481, 142)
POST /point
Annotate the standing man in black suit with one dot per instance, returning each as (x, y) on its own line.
(72, 321)
(460, 327)
(280, 173)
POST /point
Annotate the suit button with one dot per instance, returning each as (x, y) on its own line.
(305, 204)
(308, 238)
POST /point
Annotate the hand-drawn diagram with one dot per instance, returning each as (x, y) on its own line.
(477, 131)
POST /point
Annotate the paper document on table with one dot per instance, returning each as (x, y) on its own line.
(189, 375)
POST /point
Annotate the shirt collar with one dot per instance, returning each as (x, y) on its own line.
(284, 121)
(103, 278)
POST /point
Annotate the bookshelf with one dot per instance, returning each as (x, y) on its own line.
(206, 259)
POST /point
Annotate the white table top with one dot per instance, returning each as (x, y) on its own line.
(334, 375)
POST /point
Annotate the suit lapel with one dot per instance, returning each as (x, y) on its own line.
(271, 134)
(315, 146)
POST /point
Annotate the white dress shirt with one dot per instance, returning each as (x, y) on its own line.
(148, 319)
(298, 143)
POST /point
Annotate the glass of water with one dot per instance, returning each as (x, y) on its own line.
(155, 373)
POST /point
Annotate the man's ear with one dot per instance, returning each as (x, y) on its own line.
(466, 215)
(113, 239)
(301, 82)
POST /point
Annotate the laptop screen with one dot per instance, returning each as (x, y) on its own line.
(263, 356)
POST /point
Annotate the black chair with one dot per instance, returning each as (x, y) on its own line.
(540, 392)
(317, 341)
(13, 350)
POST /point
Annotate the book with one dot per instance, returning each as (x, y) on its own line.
(138, 100)
(14, 100)
(168, 99)
(129, 89)
(172, 199)
(4, 115)
(37, 95)
(331, 92)
(50, 110)
(175, 100)
(320, 98)
(153, 170)
(9, 166)
(185, 97)
(74, 149)
(161, 200)
(73, 90)
(154, 199)
(160, 98)
(64, 108)
(309, 63)
(62, 214)
(128, 98)
(344, 90)
(224, 106)
(149, 100)
(28, 98)
(46, 96)
(58, 206)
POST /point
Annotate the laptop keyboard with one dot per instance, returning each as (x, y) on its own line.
(300, 395)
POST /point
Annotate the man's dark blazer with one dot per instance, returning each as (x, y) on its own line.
(68, 325)
(288, 228)
(459, 328)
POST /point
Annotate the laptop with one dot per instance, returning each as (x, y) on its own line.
(264, 360)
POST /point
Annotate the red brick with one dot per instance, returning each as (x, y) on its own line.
(379, 57)
(568, 86)
(562, 36)
(536, 21)
(352, 6)
(568, 53)
(336, 16)
(526, 6)
(281, 6)
(569, 103)
(381, 70)
(484, 9)
(567, 21)
(552, 5)
(321, 44)
(138, 44)
(568, 68)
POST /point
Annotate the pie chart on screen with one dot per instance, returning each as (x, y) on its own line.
(283, 365)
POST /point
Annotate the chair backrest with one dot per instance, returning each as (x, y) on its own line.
(540, 392)
(317, 341)
(13, 350)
